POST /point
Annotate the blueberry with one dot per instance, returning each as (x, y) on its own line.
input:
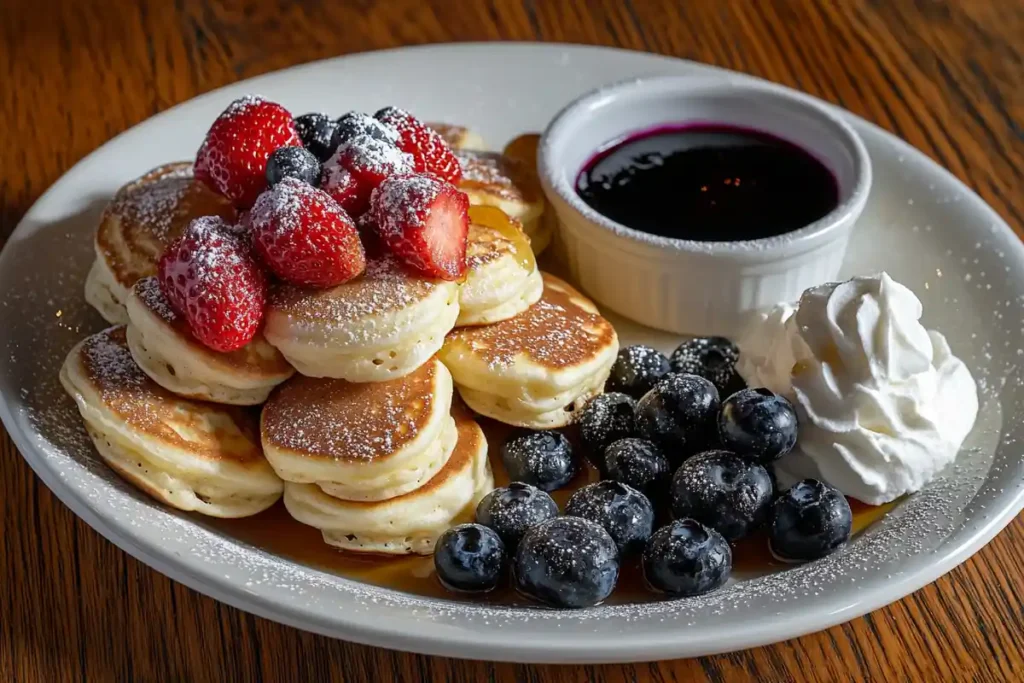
(637, 369)
(605, 419)
(679, 414)
(316, 132)
(293, 162)
(566, 562)
(543, 459)
(686, 558)
(758, 423)
(354, 124)
(713, 358)
(810, 520)
(469, 557)
(723, 491)
(625, 513)
(638, 463)
(513, 509)
(774, 476)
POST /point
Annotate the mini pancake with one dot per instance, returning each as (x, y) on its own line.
(189, 454)
(537, 369)
(144, 217)
(381, 326)
(524, 150)
(407, 524)
(493, 179)
(502, 279)
(361, 441)
(458, 137)
(162, 344)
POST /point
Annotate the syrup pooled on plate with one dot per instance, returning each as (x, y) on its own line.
(708, 182)
(275, 532)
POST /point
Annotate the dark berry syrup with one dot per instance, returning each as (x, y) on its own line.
(708, 182)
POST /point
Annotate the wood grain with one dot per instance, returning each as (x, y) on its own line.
(945, 76)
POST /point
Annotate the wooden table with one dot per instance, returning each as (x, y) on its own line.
(945, 76)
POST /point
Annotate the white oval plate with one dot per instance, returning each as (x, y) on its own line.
(921, 225)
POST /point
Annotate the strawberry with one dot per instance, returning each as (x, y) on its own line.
(357, 167)
(304, 237)
(370, 235)
(233, 157)
(424, 221)
(210, 276)
(428, 149)
(342, 187)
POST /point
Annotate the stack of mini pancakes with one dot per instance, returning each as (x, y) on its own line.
(166, 412)
(360, 429)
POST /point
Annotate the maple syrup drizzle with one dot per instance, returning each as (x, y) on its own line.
(497, 220)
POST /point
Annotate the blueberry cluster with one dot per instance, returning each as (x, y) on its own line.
(321, 135)
(703, 444)
(561, 561)
(661, 438)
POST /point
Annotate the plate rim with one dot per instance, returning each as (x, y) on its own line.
(476, 645)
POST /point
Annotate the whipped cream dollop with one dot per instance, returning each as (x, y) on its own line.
(883, 403)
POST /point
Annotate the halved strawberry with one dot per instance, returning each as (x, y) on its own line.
(357, 167)
(233, 158)
(429, 150)
(424, 221)
(211, 277)
(304, 237)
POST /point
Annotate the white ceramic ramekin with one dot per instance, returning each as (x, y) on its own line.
(692, 287)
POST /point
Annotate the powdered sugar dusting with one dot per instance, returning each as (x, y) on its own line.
(556, 332)
(154, 206)
(148, 213)
(429, 149)
(162, 200)
(355, 123)
(282, 208)
(336, 178)
(451, 133)
(368, 154)
(211, 277)
(495, 173)
(576, 549)
(384, 286)
(218, 249)
(243, 104)
(401, 202)
(149, 292)
(339, 420)
(123, 387)
(109, 363)
(234, 154)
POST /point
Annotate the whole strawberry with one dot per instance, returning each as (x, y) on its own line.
(211, 277)
(304, 237)
(233, 157)
(429, 150)
(424, 221)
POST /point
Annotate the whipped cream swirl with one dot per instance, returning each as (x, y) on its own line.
(883, 403)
